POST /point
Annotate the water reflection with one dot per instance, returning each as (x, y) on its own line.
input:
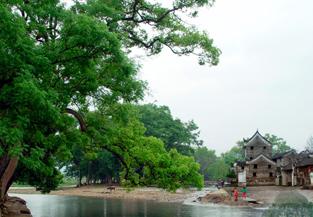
(66, 206)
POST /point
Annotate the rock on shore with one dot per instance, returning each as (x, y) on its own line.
(15, 207)
(224, 198)
(220, 196)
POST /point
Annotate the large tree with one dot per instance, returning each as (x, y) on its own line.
(144, 158)
(175, 133)
(56, 60)
(213, 167)
(205, 158)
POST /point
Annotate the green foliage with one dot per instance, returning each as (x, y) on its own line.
(53, 58)
(144, 159)
(279, 144)
(236, 153)
(212, 166)
(206, 158)
(152, 26)
(219, 169)
(160, 123)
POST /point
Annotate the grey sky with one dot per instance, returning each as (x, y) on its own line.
(263, 81)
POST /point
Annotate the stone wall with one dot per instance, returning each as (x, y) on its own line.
(256, 149)
(261, 174)
(286, 178)
(303, 177)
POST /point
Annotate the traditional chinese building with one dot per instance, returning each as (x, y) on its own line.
(261, 168)
(304, 169)
(258, 167)
(285, 163)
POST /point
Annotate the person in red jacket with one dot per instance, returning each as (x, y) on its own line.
(236, 194)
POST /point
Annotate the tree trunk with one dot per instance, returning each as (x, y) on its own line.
(7, 176)
(7, 169)
(79, 177)
(88, 173)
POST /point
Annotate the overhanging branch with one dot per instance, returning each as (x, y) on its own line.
(79, 117)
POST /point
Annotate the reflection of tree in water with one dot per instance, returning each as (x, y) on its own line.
(290, 204)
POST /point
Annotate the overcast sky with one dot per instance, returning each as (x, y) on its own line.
(264, 79)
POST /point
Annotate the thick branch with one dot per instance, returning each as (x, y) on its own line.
(149, 19)
(79, 117)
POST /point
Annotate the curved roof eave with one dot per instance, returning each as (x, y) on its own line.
(261, 156)
(255, 135)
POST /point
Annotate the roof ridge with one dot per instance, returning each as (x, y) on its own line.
(255, 134)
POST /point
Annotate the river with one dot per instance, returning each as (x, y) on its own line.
(72, 206)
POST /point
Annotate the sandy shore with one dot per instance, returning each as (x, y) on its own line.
(101, 191)
(264, 194)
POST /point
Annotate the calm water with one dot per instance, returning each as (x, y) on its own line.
(68, 206)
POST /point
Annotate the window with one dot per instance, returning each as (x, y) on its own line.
(242, 167)
(269, 166)
(251, 158)
(264, 147)
(251, 147)
(254, 174)
(255, 166)
(271, 174)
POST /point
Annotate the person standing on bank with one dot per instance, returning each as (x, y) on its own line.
(236, 194)
(244, 192)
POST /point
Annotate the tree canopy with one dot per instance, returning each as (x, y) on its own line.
(153, 25)
(56, 61)
(279, 144)
(160, 123)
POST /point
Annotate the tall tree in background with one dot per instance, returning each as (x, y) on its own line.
(309, 144)
(212, 167)
(236, 153)
(206, 158)
(160, 123)
(219, 169)
(279, 144)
